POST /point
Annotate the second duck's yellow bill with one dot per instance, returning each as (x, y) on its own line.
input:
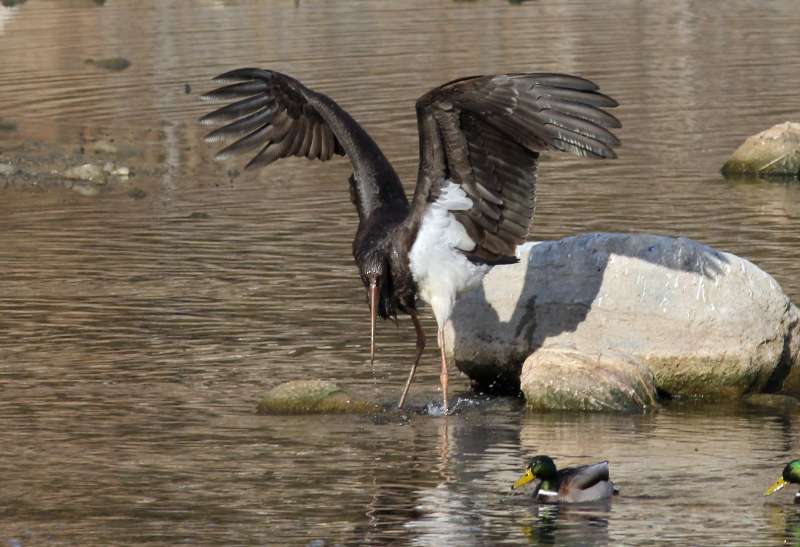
(524, 479)
(777, 485)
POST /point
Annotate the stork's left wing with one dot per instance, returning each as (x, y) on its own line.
(272, 113)
(485, 133)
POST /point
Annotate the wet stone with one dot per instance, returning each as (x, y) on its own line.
(88, 172)
(774, 152)
(137, 193)
(85, 189)
(770, 401)
(312, 397)
(121, 172)
(559, 378)
(7, 125)
(110, 63)
(102, 147)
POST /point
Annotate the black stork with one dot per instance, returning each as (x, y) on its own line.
(479, 144)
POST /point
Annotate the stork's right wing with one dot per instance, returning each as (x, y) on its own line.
(484, 133)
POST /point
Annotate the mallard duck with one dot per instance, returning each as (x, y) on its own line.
(579, 484)
(791, 474)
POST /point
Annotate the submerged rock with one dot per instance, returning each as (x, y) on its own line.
(110, 63)
(137, 193)
(7, 125)
(774, 152)
(770, 401)
(706, 323)
(560, 378)
(103, 146)
(312, 397)
(84, 189)
(7, 169)
(121, 172)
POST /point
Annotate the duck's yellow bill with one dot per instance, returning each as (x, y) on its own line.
(524, 479)
(777, 485)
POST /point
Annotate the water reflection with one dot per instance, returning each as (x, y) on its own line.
(785, 523)
(564, 525)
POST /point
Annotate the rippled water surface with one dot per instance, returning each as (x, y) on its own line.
(140, 325)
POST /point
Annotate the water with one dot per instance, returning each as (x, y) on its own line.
(138, 327)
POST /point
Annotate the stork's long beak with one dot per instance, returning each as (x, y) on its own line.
(373, 312)
(524, 479)
(777, 485)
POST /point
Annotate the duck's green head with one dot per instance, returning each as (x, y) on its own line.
(791, 474)
(539, 467)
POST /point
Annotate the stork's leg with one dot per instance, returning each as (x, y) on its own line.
(443, 374)
(420, 348)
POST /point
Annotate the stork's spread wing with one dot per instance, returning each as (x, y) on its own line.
(272, 114)
(485, 134)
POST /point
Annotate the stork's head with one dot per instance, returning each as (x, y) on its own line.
(376, 274)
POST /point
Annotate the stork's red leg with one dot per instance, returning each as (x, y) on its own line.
(443, 374)
(373, 313)
(420, 347)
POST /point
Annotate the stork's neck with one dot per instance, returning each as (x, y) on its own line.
(376, 183)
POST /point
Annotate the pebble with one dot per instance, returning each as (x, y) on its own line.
(88, 171)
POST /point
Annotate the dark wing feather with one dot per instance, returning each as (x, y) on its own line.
(485, 134)
(271, 114)
(582, 477)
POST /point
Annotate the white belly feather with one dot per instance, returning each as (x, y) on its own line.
(439, 267)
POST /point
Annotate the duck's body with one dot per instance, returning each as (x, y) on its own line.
(480, 139)
(580, 484)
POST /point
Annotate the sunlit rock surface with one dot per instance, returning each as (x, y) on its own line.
(774, 152)
(705, 323)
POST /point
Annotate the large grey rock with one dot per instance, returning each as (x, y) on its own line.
(789, 378)
(559, 378)
(706, 323)
(773, 152)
